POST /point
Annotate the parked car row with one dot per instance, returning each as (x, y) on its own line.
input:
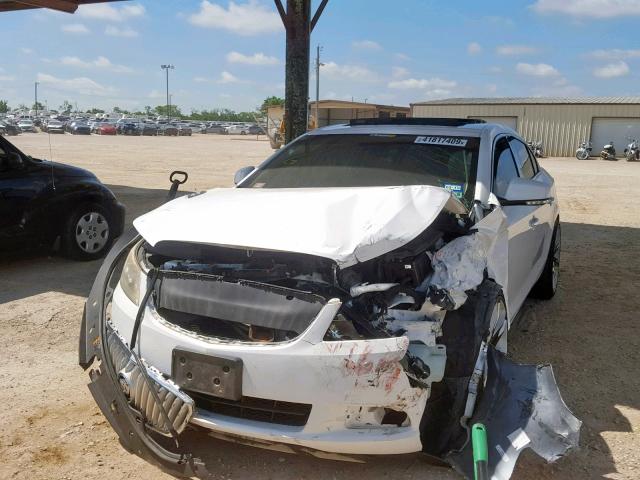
(81, 125)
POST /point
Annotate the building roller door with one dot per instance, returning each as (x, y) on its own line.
(616, 130)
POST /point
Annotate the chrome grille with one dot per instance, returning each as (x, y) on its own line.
(178, 405)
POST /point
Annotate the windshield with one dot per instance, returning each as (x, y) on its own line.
(374, 160)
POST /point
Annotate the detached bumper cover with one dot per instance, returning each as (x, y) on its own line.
(105, 386)
(521, 407)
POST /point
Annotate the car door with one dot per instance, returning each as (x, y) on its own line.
(540, 221)
(520, 222)
(21, 182)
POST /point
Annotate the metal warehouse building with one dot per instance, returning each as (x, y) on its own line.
(560, 123)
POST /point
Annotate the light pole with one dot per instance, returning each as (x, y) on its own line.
(170, 103)
(36, 104)
(166, 68)
(318, 65)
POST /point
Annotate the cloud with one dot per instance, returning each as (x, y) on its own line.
(104, 11)
(251, 18)
(612, 70)
(402, 56)
(366, 45)
(26, 51)
(399, 72)
(126, 32)
(515, 50)
(226, 77)
(201, 79)
(614, 54)
(255, 59)
(351, 72)
(79, 85)
(6, 78)
(100, 62)
(588, 8)
(78, 28)
(433, 84)
(537, 69)
(495, 69)
(474, 48)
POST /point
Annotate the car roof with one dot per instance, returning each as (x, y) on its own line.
(397, 128)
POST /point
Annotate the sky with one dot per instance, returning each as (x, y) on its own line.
(230, 54)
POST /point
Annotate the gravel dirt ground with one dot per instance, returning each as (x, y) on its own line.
(51, 428)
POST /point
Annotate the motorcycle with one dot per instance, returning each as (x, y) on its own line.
(632, 152)
(584, 150)
(608, 152)
(536, 148)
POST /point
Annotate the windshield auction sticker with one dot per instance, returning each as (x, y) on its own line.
(445, 141)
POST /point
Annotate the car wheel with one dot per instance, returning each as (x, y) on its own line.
(546, 286)
(483, 317)
(87, 234)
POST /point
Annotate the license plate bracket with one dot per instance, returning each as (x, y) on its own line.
(211, 375)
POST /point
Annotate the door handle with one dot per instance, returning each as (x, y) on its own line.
(534, 221)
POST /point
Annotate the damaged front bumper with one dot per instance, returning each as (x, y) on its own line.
(351, 396)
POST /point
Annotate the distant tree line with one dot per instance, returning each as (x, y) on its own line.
(215, 114)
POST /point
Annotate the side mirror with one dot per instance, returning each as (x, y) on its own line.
(524, 191)
(243, 173)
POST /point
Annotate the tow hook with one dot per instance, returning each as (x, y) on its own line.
(176, 181)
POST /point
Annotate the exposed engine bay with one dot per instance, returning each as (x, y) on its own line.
(378, 296)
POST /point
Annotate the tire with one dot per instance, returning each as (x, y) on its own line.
(243, 132)
(87, 233)
(582, 155)
(547, 285)
(463, 332)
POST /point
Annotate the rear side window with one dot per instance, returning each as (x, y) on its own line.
(523, 161)
(505, 167)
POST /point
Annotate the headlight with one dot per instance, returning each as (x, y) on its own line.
(131, 275)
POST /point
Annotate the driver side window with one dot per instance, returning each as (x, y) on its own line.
(504, 167)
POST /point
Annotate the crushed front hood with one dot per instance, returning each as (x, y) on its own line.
(347, 225)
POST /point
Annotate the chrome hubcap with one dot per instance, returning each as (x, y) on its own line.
(92, 232)
(555, 265)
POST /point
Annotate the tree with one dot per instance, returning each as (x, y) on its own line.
(38, 106)
(4, 106)
(147, 110)
(162, 110)
(95, 110)
(271, 102)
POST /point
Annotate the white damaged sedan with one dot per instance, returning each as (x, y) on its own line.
(350, 295)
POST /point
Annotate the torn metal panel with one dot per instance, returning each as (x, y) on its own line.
(520, 407)
(347, 225)
(460, 265)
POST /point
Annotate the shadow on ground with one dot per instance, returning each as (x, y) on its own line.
(588, 332)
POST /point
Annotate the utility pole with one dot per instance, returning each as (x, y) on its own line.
(166, 68)
(318, 65)
(298, 24)
(36, 104)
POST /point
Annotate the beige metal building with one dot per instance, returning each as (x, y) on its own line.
(332, 112)
(560, 123)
